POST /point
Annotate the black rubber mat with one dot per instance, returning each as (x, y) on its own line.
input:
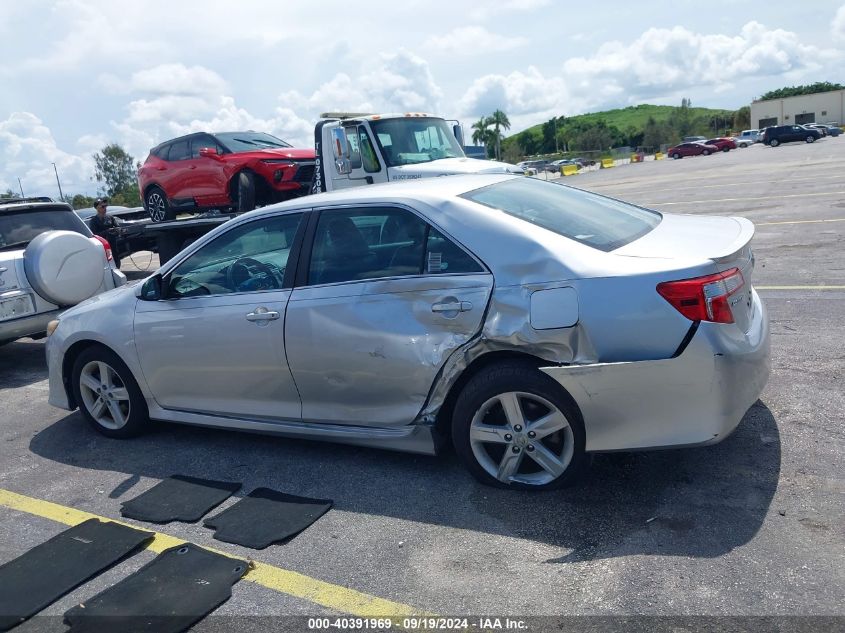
(266, 516)
(180, 587)
(178, 498)
(48, 571)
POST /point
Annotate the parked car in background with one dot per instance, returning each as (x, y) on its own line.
(816, 126)
(239, 170)
(774, 136)
(749, 137)
(691, 149)
(693, 139)
(49, 259)
(469, 309)
(725, 144)
(131, 221)
(833, 130)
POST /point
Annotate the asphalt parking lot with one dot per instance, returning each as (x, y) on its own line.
(754, 526)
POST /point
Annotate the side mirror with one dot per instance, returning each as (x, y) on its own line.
(151, 290)
(209, 152)
(459, 134)
(340, 149)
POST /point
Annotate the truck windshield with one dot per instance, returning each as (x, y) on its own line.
(249, 141)
(410, 140)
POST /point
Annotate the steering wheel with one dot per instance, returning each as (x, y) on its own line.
(245, 269)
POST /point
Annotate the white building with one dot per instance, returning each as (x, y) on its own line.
(822, 107)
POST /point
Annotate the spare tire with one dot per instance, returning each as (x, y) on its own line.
(64, 267)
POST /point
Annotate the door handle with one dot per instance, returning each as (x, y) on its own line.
(452, 306)
(262, 314)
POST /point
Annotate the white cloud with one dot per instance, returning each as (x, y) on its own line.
(837, 28)
(167, 79)
(472, 40)
(486, 10)
(662, 61)
(28, 151)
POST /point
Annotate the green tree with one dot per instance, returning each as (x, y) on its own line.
(8, 195)
(742, 118)
(117, 173)
(80, 201)
(499, 121)
(681, 119)
(809, 89)
(480, 133)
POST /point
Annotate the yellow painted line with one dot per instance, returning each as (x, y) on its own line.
(799, 287)
(795, 195)
(285, 581)
(798, 222)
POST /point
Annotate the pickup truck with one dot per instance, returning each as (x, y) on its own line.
(357, 149)
(748, 137)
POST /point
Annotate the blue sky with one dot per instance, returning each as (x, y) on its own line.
(77, 74)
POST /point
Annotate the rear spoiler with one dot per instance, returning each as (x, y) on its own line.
(730, 251)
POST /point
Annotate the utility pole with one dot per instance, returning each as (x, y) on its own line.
(61, 195)
(21, 186)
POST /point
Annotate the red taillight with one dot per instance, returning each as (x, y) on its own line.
(106, 246)
(704, 298)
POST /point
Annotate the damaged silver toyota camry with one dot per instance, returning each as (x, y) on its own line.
(526, 322)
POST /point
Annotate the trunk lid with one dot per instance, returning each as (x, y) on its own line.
(726, 241)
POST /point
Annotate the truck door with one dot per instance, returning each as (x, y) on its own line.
(365, 164)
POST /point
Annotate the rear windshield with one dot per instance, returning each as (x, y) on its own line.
(603, 223)
(18, 228)
(249, 141)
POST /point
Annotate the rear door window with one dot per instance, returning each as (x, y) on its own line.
(180, 150)
(599, 222)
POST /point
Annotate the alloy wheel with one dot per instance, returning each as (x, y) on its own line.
(156, 206)
(519, 437)
(104, 395)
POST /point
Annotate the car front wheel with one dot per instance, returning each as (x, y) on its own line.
(706, 152)
(676, 155)
(514, 427)
(810, 139)
(107, 394)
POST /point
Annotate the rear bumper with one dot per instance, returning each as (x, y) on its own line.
(32, 325)
(695, 399)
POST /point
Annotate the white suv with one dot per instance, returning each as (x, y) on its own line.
(49, 260)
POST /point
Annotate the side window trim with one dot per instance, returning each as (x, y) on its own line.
(304, 261)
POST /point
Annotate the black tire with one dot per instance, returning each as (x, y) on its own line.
(706, 152)
(726, 149)
(810, 139)
(774, 142)
(525, 378)
(676, 156)
(246, 192)
(157, 205)
(133, 408)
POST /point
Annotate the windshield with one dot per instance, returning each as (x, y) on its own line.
(18, 228)
(603, 223)
(249, 141)
(411, 140)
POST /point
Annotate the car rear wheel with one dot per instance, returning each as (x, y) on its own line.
(107, 394)
(810, 139)
(676, 155)
(514, 427)
(774, 142)
(157, 206)
(246, 192)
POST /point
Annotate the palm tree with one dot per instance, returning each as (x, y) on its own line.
(480, 133)
(499, 121)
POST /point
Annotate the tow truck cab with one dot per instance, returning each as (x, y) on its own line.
(357, 149)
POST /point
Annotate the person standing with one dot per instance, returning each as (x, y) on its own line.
(105, 226)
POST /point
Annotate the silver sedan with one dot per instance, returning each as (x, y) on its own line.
(526, 322)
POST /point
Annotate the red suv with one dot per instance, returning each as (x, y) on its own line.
(237, 170)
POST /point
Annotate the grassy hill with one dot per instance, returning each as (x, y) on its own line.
(637, 116)
(634, 126)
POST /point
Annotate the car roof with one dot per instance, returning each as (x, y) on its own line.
(30, 204)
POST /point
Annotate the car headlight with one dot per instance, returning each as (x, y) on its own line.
(51, 326)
